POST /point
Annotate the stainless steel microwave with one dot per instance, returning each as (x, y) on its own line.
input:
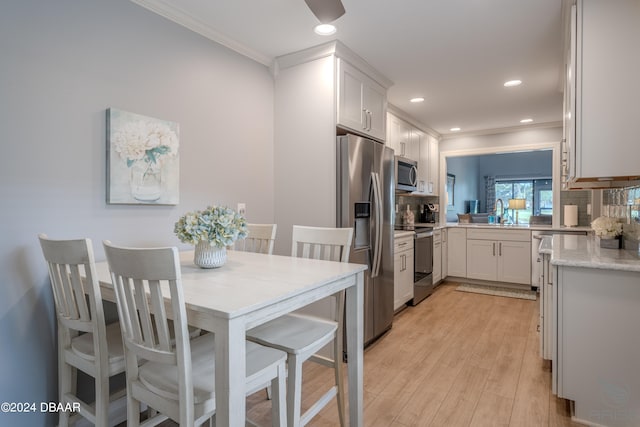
(406, 174)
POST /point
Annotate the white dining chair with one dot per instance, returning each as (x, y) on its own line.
(85, 342)
(178, 381)
(260, 238)
(301, 335)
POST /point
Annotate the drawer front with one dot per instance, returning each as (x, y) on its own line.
(505, 235)
(403, 244)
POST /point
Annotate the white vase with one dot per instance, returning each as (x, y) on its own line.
(207, 256)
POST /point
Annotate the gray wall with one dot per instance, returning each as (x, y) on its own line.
(63, 64)
(466, 170)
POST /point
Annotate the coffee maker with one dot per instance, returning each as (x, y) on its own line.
(429, 213)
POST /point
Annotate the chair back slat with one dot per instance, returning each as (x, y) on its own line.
(331, 244)
(78, 302)
(139, 276)
(160, 327)
(260, 239)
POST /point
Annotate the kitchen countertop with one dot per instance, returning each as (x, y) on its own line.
(584, 251)
(402, 233)
(535, 227)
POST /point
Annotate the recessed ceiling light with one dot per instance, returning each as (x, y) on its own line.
(512, 83)
(526, 120)
(418, 99)
(324, 29)
(455, 129)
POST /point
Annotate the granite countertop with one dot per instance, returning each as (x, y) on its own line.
(585, 251)
(535, 227)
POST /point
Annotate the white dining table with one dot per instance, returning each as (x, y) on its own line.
(251, 289)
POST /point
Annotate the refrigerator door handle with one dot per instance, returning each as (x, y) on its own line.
(377, 203)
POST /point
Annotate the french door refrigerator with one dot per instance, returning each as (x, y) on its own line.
(366, 198)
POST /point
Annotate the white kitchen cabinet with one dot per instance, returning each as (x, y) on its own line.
(428, 165)
(362, 103)
(502, 256)
(545, 285)
(603, 60)
(457, 253)
(434, 166)
(445, 253)
(596, 356)
(437, 257)
(401, 136)
(305, 121)
(403, 271)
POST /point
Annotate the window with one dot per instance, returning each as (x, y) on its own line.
(537, 193)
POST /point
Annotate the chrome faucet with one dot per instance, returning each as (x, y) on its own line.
(495, 208)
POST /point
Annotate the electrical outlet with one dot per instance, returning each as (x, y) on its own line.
(242, 209)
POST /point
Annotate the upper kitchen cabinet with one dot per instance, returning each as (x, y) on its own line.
(411, 142)
(402, 137)
(309, 87)
(601, 94)
(428, 165)
(362, 102)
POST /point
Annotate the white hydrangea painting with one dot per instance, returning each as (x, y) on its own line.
(143, 159)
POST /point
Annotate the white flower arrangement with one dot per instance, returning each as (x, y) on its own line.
(218, 225)
(606, 227)
(151, 142)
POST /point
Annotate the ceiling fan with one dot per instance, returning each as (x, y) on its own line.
(326, 10)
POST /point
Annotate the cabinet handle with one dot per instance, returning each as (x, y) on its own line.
(370, 119)
(402, 149)
(494, 249)
(500, 249)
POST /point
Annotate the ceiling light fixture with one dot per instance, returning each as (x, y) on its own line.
(324, 29)
(455, 129)
(526, 120)
(512, 83)
(416, 100)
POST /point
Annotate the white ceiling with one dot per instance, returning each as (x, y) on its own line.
(455, 53)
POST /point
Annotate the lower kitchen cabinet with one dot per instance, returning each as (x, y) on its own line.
(437, 257)
(402, 271)
(445, 254)
(457, 253)
(500, 256)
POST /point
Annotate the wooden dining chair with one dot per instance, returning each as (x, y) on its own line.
(260, 239)
(85, 342)
(301, 335)
(175, 380)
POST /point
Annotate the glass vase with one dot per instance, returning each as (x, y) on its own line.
(146, 181)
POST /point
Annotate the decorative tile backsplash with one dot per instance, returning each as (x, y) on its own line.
(581, 198)
(624, 204)
(415, 203)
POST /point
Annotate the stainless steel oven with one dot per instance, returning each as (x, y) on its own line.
(422, 265)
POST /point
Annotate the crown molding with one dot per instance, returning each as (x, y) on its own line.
(180, 17)
(333, 47)
(496, 131)
(391, 108)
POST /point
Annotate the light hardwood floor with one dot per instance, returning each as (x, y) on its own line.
(456, 359)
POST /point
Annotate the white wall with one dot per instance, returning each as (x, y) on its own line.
(501, 142)
(63, 64)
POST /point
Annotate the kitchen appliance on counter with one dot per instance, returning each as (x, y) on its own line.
(422, 260)
(366, 198)
(429, 213)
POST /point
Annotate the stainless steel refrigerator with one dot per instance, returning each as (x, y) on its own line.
(366, 198)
